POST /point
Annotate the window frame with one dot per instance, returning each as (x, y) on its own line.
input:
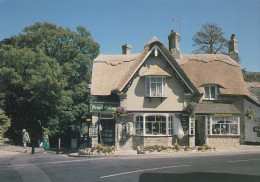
(168, 123)
(210, 92)
(227, 122)
(161, 86)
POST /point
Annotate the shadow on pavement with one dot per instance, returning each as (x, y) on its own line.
(197, 177)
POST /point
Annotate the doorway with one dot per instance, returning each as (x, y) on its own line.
(107, 132)
(199, 131)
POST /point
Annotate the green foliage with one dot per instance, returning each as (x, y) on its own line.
(191, 109)
(209, 40)
(4, 121)
(44, 77)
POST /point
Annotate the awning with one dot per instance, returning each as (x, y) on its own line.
(212, 108)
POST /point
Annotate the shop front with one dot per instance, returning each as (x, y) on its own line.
(216, 130)
(104, 122)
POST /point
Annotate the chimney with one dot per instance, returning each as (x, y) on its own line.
(233, 48)
(126, 49)
(174, 39)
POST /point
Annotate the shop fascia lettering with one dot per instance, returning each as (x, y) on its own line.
(103, 106)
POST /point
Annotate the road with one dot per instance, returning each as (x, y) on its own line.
(60, 168)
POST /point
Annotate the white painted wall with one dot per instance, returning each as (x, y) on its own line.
(136, 100)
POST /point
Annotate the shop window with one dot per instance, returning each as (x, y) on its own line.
(225, 126)
(210, 92)
(154, 124)
(155, 86)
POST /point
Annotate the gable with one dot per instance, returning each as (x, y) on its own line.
(155, 51)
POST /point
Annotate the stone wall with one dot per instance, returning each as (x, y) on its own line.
(151, 140)
(223, 141)
(239, 103)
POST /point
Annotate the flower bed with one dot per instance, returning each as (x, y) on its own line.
(171, 149)
(99, 150)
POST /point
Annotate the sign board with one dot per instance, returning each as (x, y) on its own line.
(104, 107)
(184, 121)
(93, 132)
(224, 114)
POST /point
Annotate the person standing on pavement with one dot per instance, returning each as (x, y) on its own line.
(26, 139)
(45, 142)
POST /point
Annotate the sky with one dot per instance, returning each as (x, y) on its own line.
(114, 23)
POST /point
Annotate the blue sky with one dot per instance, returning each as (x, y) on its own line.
(113, 23)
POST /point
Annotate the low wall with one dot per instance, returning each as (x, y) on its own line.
(223, 141)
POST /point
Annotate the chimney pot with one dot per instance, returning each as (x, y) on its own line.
(174, 39)
(233, 48)
(126, 49)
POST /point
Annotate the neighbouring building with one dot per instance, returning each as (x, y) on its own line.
(252, 102)
(160, 97)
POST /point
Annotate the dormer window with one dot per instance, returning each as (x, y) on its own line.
(210, 92)
(155, 86)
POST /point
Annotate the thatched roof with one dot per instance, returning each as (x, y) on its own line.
(108, 70)
(112, 72)
(217, 69)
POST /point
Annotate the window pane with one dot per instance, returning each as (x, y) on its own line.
(224, 128)
(213, 92)
(163, 128)
(159, 79)
(234, 129)
(159, 90)
(153, 89)
(216, 129)
(207, 92)
(156, 128)
(153, 79)
(148, 128)
(150, 118)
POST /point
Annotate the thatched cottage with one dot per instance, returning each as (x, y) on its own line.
(160, 97)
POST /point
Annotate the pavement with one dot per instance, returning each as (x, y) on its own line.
(9, 150)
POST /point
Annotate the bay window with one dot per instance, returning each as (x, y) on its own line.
(153, 124)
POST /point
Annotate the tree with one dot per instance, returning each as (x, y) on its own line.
(4, 121)
(209, 40)
(45, 72)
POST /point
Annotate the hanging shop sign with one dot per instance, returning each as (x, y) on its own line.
(184, 121)
(104, 107)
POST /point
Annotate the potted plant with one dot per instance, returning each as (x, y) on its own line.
(191, 109)
(250, 113)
